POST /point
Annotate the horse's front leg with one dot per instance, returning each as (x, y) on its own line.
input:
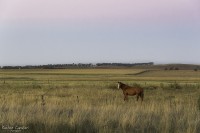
(125, 97)
(137, 97)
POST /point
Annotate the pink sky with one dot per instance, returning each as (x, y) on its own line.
(99, 10)
(140, 30)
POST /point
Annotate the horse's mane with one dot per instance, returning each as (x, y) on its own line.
(124, 85)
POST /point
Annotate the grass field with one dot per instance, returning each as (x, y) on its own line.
(87, 100)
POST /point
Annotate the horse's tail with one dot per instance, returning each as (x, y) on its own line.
(142, 95)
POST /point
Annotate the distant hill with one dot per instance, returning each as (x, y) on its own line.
(171, 67)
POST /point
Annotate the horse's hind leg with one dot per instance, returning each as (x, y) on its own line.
(142, 96)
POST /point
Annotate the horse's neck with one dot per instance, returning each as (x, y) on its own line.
(124, 87)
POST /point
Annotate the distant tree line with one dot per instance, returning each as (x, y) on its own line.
(50, 66)
(79, 65)
(124, 64)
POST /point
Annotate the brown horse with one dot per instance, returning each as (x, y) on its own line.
(131, 91)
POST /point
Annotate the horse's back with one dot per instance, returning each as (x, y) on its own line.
(134, 90)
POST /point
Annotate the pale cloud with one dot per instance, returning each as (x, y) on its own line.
(99, 10)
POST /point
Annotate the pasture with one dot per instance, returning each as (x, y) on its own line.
(87, 100)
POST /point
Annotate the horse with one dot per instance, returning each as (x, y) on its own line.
(131, 91)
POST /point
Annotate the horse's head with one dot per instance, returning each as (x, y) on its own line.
(119, 85)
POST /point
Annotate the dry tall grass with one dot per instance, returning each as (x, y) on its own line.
(70, 109)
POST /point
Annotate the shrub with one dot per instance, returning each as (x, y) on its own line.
(176, 68)
(198, 103)
(112, 86)
(176, 86)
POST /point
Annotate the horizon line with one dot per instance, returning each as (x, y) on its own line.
(102, 63)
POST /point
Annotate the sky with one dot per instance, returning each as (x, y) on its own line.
(34, 32)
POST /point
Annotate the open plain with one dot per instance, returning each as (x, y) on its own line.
(87, 100)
